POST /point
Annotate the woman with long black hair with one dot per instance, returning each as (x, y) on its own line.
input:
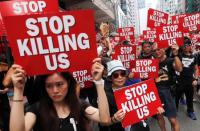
(60, 108)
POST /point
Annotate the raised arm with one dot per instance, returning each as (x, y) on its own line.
(101, 114)
(17, 118)
(177, 62)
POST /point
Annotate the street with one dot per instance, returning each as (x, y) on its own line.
(186, 123)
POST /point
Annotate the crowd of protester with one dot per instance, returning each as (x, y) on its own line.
(56, 103)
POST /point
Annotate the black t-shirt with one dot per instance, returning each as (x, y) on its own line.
(65, 124)
(112, 108)
(188, 66)
(166, 67)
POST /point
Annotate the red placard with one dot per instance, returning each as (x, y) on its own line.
(176, 18)
(126, 33)
(21, 7)
(195, 39)
(191, 22)
(126, 54)
(138, 101)
(146, 68)
(150, 35)
(156, 18)
(54, 42)
(1, 25)
(169, 35)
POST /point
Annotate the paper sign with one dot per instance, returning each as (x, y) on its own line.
(150, 35)
(22, 7)
(156, 18)
(138, 101)
(146, 68)
(169, 35)
(126, 33)
(126, 54)
(191, 22)
(53, 42)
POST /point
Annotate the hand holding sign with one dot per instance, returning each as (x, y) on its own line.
(160, 110)
(18, 77)
(97, 69)
(118, 116)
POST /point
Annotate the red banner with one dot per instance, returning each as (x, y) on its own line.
(146, 68)
(126, 33)
(21, 7)
(150, 35)
(126, 54)
(169, 35)
(191, 22)
(54, 42)
(138, 101)
(156, 18)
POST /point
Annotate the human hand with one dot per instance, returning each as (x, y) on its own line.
(194, 83)
(18, 77)
(175, 49)
(160, 110)
(97, 69)
(4, 91)
(119, 115)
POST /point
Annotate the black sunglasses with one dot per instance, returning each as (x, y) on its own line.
(115, 75)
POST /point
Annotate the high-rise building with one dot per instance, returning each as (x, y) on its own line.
(180, 7)
(130, 8)
(135, 20)
(141, 4)
(192, 6)
(168, 6)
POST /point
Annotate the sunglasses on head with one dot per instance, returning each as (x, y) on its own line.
(116, 74)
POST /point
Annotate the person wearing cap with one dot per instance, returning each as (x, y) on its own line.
(188, 77)
(167, 66)
(117, 75)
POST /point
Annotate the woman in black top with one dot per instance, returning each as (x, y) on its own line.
(59, 109)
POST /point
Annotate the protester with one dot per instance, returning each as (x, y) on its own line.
(60, 108)
(4, 101)
(147, 50)
(118, 75)
(163, 83)
(188, 77)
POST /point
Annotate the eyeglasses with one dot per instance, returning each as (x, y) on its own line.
(115, 75)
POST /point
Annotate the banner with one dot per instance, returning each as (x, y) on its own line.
(126, 33)
(176, 18)
(22, 7)
(191, 22)
(169, 35)
(146, 68)
(150, 35)
(138, 101)
(53, 42)
(156, 18)
(127, 55)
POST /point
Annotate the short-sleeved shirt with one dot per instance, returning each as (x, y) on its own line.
(65, 124)
(188, 61)
(166, 67)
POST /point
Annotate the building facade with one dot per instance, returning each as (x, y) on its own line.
(192, 6)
